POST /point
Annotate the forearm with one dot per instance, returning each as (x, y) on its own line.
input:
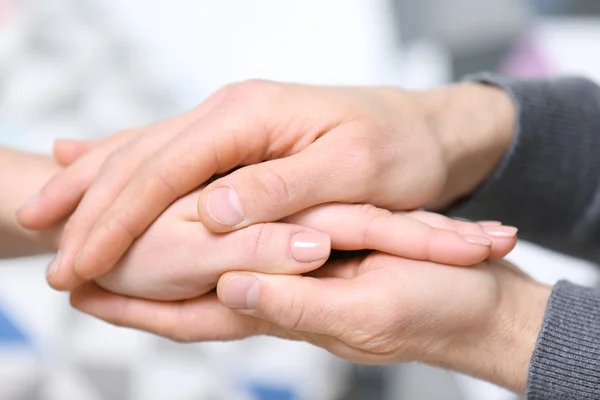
(548, 183)
(21, 176)
(541, 341)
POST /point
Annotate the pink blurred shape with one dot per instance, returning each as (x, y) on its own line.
(527, 59)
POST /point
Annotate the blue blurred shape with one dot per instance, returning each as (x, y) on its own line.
(268, 392)
(10, 332)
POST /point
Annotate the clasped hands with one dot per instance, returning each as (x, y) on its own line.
(149, 239)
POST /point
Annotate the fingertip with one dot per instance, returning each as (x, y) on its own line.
(239, 291)
(90, 299)
(309, 247)
(220, 209)
(477, 240)
(82, 270)
(502, 247)
(67, 151)
(464, 251)
(78, 295)
(60, 276)
(64, 282)
(502, 231)
(28, 212)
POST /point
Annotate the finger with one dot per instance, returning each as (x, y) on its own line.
(62, 191)
(115, 175)
(276, 189)
(202, 257)
(200, 319)
(354, 227)
(67, 151)
(296, 303)
(324, 312)
(235, 133)
(61, 195)
(504, 238)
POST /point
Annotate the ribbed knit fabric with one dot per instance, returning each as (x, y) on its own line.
(566, 362)
(548, 185)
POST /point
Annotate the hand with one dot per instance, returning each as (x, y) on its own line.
(380, 309)
(383, 146)
(177, 258)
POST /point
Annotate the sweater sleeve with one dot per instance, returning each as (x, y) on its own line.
(566, 360)
(548, 183)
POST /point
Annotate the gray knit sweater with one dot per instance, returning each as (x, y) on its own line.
(548, 185)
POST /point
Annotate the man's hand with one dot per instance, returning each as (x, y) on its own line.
(395, 149)
(379, 309)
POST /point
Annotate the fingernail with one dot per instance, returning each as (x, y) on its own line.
(240, 291)
(224, 206)
(53, 266)
(501, 231)
(489, 223)
(33, 200)
(310, 246)
(479, 240)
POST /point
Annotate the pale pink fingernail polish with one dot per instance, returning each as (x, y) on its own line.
(501, 231)
(479, 240)
(53, 266)
(224, 206)
(240, 291)
(489, 223)
(310, 246)
(32, 201)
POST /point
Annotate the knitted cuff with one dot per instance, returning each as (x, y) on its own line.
(566, 360)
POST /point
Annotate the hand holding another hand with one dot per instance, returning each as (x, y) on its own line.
(177, 258)
(388, 147)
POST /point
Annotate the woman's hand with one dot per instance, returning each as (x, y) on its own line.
(395, 149)
(379, 309)
(178, 258)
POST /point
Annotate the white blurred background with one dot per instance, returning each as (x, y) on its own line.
(87, 68)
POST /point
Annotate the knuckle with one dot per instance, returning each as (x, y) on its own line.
(381, 334)
(118, 223)
(112, 162)
(362, 160)
(255, 92)
(165, 182)
(255, 242)
(372, 215)
(180, 328)
(291, 314)
(273, 188)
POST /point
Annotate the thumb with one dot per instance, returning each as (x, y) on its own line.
(67, 151)
(291, 302)
(272, 190)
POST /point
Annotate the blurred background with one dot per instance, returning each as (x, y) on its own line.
(87, 68)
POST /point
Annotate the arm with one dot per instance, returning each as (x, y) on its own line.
(21, 175)
(548, 183)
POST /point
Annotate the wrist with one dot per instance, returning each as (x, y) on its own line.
(475, 124)
(500, 346)
(23, 174)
